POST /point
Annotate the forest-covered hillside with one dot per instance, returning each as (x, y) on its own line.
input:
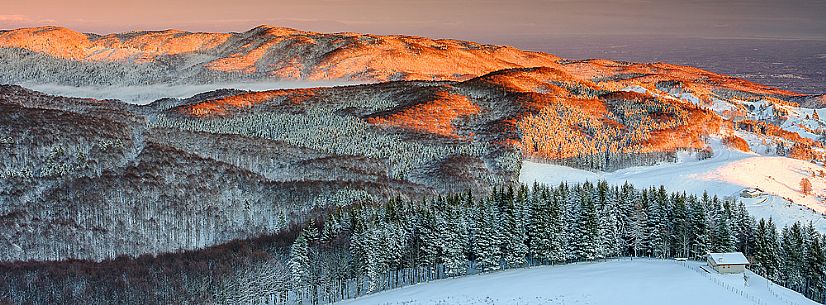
(95, 179)
(234, 196)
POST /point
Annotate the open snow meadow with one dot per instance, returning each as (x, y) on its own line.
(725, 174)
(621, 281)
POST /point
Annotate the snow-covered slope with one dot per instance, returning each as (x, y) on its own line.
(265, 53)
(726, 174)
(618, 282)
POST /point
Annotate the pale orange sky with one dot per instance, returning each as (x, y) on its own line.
(482, 20)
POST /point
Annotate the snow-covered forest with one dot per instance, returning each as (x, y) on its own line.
(321, 129)
(95, 180)
(337, 121)
(371, 248)
(615, 131)
(376, 246)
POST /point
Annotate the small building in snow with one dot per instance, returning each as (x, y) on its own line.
(751, 193)
(731, 262)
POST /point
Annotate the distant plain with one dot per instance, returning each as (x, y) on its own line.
(796, 65)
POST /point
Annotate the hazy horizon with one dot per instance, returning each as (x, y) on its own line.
(488, 21)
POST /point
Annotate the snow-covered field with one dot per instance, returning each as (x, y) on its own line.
(616, 282)
(727, 173)
(142, 95)
(803, 122)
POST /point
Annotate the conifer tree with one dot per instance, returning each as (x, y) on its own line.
(774, 250)
(766, 260)
(681, 235)
(556, 228)
(300, 263)
(640, 244)
(699, 244)
(793, 249)
(539, 222)
(611, 241)
(488, 237)
(514, 248)
(744, 229)
(588, 240)
(656, 239)
(724, 237)
(454, 237)
(427, 239)
(626, 225)
(815, 264)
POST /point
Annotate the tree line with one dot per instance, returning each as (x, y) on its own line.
(349, 251)
(368, 248)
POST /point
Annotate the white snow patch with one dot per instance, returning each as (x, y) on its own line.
(782, 212)
(802, 121)
(142, 95)
(620, 282)
(720, 106)
(733, 258)
(725, 174)
(691, 98)
(635, 88)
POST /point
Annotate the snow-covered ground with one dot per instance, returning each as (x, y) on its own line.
(142, 95)
(617, 282)
(797, 119)
(726, 174)
(803, 122)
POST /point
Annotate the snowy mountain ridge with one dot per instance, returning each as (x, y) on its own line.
(264, 53)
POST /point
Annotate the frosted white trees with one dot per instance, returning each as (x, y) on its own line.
(543, 220)
(487, 236)
(300, 263)
(588, 238)
(766, 256)
(324, 130)
(372, 247)
(454, 235)
(514, 237)
(610, 221)
(624, 134)
(699, 236)
(454, 240)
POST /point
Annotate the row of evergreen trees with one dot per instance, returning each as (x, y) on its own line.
(515, 227)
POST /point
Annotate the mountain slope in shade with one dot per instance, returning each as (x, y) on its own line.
(470, 130)
(264, 52)
(369, 140)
